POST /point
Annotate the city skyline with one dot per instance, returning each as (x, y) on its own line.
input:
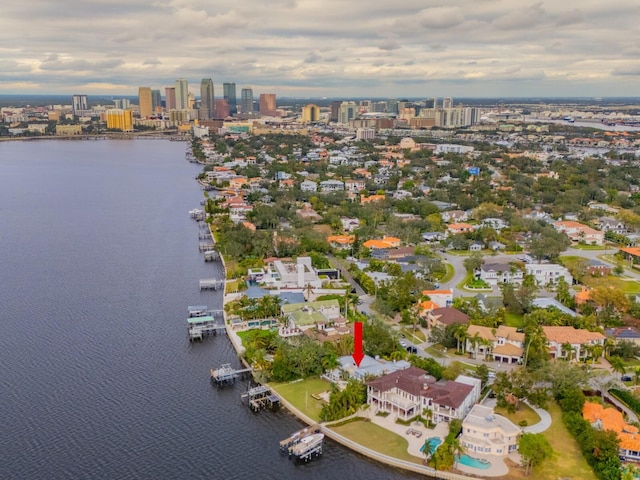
(292, 48)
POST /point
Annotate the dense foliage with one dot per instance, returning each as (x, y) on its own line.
(343, 403)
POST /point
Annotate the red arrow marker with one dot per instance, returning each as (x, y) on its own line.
(357, 343)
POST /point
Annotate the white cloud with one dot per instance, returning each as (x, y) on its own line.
(360, 47)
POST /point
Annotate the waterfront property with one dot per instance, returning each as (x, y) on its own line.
(407, 393)
(487, 433)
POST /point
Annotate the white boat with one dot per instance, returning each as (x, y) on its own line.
(307, 445)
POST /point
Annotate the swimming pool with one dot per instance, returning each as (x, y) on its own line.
(434, 442)
(468, 461)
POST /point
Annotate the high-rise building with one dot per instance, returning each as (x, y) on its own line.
(268, 104)
(123, 103)
(447, 102)
(310, 113)
(156, 101)
(170, 98)
(145, 102)
(392, 105)
(229, 94)
(246, 101)
(347, 112)
(335, 110)
(118, 119)
(431, 102)
(182, 94)
(207, 101)
(79, 102)
(222, 108)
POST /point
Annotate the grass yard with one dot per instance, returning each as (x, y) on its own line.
(525, 413)
(417, 337)
(567, 459)
(435, 350)
(513, 320)
(448, 275)
(299, 394)
(377, 438)
(581, 246)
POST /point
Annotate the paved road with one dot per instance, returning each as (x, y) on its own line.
(596, 254)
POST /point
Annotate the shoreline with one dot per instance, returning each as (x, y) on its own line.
(387, 460)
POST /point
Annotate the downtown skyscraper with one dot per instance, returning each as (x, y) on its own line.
(182, 94)
(145, 102)
(229, 93)
(207, 102)
(246, 101)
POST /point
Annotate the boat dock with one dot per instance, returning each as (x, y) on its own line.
(226, 374)
(211, 284)
(261, 397)
(203, 325)
(204, 235)
(198, 311)
(205, 247)
(197, 214)
(211, 255)
(308, 447)
(295, 437)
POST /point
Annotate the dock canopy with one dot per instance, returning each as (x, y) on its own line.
(195, 320)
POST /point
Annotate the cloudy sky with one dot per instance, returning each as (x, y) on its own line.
(401, 48)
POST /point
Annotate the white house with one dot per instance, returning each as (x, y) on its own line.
(308, 186)
(546, 273)
(496, 273)
(300, 274)
(487, 433)
(580, 340)
(408, 392)
(331, 186)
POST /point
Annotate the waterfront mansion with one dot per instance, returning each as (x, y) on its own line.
(409, 392)
(489, 434)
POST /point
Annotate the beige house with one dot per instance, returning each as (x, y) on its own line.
(487, 433)
(504, 344)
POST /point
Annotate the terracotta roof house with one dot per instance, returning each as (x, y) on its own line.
(611, 419)
(578, 232)
(580, 340)
(341, 241)
(456, 228)
(406, 393)
(441, 317)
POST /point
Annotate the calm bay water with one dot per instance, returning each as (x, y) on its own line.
(98, 262)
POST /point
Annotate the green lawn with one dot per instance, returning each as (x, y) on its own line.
(567, 459)
(299, 394)
(513, 320)
(418, 337)
(435, 350)
(525, 412)
(580, 246)
(448, 275)
(377, 438)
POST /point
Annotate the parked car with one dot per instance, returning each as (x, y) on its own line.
(403, 343)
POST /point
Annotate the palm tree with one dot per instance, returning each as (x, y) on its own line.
(617, 365)
(428, 449)
(457, 449)
(636, 375)
(461, 336)
(609, 344)
(475, 341)
(596, 352)
(568, 349)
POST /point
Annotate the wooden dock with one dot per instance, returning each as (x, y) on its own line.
(226, 374)
(261, 397)
(211, 284)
